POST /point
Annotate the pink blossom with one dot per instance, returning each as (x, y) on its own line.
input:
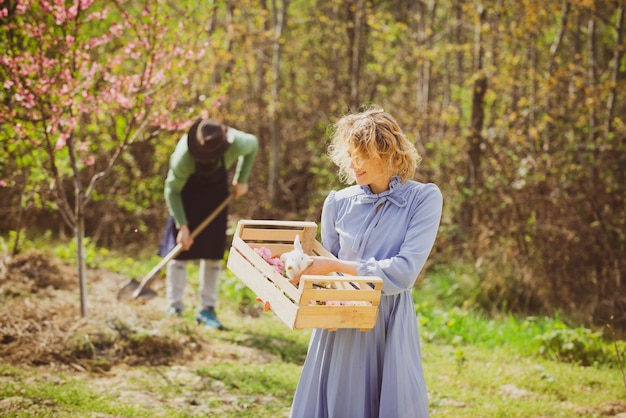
(60, 142)
(72, 12)
(21, 7)
(158, 77)
(90, 160)
(116, 29)
(95, 42)
(97, 15)
(59, 15)
(84, 4)
(124, 101)
(140, 114)
(3, 183)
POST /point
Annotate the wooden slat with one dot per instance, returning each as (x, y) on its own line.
(280, 224)
(333, 317)
(270, 235)
(318, 249)
(336, 294)
(275, 249)
(344, 282)
(267, 270)
(284, 308)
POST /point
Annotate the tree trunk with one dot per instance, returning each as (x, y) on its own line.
(355, 62)
(591, 73)
(226, 67)
(618, 51)
(79, 226)
(79, 233)
(20, 213)
(280, 19)
(475, 139)
(263, 133)
(558, 39)
(425, 43)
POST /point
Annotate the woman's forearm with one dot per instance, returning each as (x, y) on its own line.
(327, 265)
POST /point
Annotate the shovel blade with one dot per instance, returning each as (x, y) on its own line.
(127, 292)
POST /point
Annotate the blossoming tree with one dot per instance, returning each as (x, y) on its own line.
(82, 80)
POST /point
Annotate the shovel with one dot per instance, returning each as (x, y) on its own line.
(134, 289)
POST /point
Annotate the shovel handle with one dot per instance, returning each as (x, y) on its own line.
(179, 247)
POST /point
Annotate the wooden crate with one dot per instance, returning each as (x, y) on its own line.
(303, 306)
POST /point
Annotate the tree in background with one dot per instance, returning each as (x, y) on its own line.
(549, 196)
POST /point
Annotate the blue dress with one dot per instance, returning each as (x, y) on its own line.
(375, 374)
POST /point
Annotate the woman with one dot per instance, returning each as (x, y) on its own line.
(197, 183)
(383, 226)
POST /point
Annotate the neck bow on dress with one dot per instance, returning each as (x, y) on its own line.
(392, 195)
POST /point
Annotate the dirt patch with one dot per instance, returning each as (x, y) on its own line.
(616, 409)
(31, 271)
(40, 321)
(44, 335)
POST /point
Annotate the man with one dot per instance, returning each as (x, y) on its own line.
(197, 183)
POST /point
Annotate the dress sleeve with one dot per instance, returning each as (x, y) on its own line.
(400, 271)
(330, 237)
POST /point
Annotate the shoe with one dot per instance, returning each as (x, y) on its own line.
(173, 311)
(208, 318)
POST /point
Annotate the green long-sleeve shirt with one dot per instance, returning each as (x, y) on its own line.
(243, 150)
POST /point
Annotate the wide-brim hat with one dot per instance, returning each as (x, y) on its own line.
(207, 140)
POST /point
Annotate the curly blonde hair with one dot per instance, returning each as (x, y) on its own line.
(372, 133)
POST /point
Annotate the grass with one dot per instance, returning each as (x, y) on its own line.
(24, 394)
(500, 383)
(475, 365)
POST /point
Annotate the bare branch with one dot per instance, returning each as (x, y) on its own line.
(128, 140)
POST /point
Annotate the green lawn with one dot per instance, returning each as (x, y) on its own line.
(475, 365)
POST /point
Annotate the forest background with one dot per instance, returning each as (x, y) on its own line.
(517, 107)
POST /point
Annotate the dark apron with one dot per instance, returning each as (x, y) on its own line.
(201, 195)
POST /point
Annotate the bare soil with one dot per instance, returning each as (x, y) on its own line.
(41, 328)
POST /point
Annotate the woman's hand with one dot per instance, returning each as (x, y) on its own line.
(320, 266)
(184, 237)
